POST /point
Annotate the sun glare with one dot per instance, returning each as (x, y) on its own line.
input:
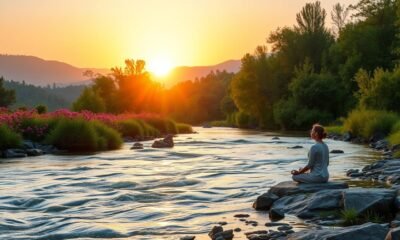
(160, 66)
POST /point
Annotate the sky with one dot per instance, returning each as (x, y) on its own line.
(102, 33)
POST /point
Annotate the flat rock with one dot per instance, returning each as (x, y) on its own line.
(367, 231)
(310, 205)
(337, 151)
(289, 187)
(14, 153)
(276, 214)
(367, 200)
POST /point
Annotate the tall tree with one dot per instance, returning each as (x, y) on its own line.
(7, 97)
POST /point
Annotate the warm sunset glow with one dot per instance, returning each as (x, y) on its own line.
(160, 66)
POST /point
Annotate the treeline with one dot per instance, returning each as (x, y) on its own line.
(29, 96)
(315, 74)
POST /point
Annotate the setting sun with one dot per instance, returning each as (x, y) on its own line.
(160, 66)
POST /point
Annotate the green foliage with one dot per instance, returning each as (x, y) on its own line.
(184, 128)
(89, 100)
(80, 135)
(7, 97)
(380, 91)
(130, 128)
(35, 129)
(41, 109)
(366, 123)
(164, 125)
(9, 138)
(350, 217)
(334, 129)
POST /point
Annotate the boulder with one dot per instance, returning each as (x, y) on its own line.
(370, 200)
(27, 144)
(367, 231)
(347, 137)
(167, 142)
(310, 205)
(289, 187)
(34, 152)
(137, 145)
(276, 214)
(336, 151)
(14, 153)
(295, 147)
(265, 201)
(351, 171)
(394, 234)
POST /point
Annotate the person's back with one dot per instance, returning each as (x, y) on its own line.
(318, 160)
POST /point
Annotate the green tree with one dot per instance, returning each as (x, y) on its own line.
(7, 97)
(89, 100)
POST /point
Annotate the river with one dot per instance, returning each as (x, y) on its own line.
(155, 193)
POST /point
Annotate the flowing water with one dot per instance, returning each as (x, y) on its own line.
(154, 193)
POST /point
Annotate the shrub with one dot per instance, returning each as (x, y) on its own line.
(334, 129)
(108, 138)
(8, 138)
(34, 129)
(41, 109)
(366, 123)
(81, 135)
(164, 125)
(184, 128)
(130, 128)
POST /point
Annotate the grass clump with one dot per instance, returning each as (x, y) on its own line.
(350, 217)
(184, 128)
(163, 125)
(79, 135)
(130, 128)
(366, 123)
(334, 129)
(9, 138)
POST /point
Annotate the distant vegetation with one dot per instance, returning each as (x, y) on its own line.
(84, 131)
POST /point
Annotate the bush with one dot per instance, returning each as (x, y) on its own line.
(109, 139)
(130, 128)
(164, 125)
(34, 129)
(366, 123)
(80, 135)
(184, 128)
(8, 138)
(41, 109)
(334, 129)
(350, 217)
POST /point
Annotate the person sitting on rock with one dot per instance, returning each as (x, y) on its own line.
(318, 160)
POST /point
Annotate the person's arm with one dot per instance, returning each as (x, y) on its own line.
(310, 164)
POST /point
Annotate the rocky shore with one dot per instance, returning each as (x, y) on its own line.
(332, 210)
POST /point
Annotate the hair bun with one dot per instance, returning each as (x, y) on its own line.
(324, 135)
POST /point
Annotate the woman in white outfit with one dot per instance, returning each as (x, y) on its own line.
(316, 170)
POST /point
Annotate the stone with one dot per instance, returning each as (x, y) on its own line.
(310, 205)
(241, 215)
(275, 138)
(356, 175)
(26, 144)
(274, 224)
(237, 229)
(188, 238)
(214, 231)
(225, 235)
(347, 137)
(370, 200)
(14, 153)
(259, 237)
(336, 151)
(222, 223)
(393, 234)
(367, 231)
(351, 171)
(395, 223)
(295, 147)
(284, 227)
(265, 201)
(289, 187)
(137, 145)
(167, 142)
(276, 214)
(34, 152)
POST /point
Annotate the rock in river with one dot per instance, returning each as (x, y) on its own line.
(265, 201)
(167, 142)
(289, 187)
(367, 231)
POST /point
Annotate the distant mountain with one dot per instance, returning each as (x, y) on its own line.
(39, 72)
(183, 73)
(36, 71)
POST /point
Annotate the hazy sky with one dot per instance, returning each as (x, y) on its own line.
(102, 33)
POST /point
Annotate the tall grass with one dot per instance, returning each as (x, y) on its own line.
(9, 138)
(334, 129)
(366, 123)
(184, 128)
(79, 135)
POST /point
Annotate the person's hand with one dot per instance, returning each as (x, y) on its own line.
(294, 172)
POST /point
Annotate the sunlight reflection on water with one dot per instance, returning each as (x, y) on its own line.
(154, 193)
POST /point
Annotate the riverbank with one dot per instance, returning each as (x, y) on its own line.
(356, 213)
